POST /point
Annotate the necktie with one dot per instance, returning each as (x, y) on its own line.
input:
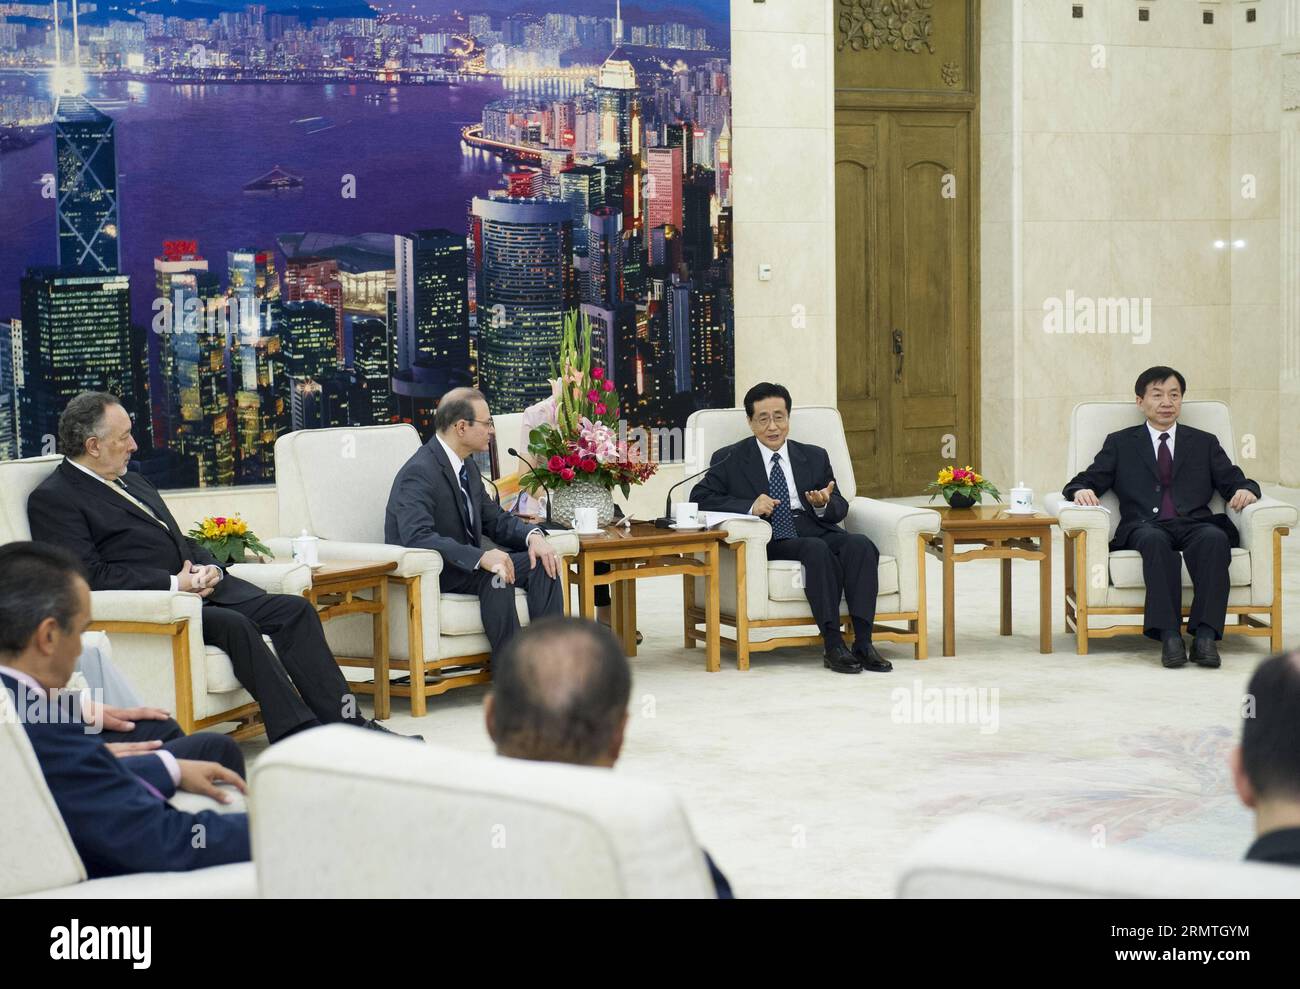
(121, 484)
(782, 520)
(469, 503)
(1165, 468)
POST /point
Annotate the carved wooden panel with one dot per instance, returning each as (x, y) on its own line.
(911, 45)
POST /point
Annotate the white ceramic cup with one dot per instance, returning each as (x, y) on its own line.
(686, 513)
(584, 518)
(1022, 499)
(306, 549)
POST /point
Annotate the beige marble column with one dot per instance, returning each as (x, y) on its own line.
(1289, 372)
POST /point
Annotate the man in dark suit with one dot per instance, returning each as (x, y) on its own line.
(117, 525)
(791, 485)
(438, 502)
(1164, 475)
(115, 809)
(1266, 765)
(559, 694)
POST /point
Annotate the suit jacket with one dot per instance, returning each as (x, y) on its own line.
(122, 547)
(736, 477)
(426, 510)
(1127, 465)
(1281, 847)
(117, 825)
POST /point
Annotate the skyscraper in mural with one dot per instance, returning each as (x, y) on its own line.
(85, 145)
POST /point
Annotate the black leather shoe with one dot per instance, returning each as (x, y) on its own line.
(1173, 652)
(871, 661)
(1205, 652)
(839, 659)
(373, 725)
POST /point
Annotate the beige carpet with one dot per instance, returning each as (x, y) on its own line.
(805, 783)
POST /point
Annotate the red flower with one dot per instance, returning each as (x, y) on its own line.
(598, 373)
(220, 520)
(607, 385)
(600, 408)
(589, 465)
(573, 460)
(567, 473)
(555, 464)
(593, 395)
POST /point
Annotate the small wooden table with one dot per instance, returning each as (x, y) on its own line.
(642, 550)
(1004, 537)
(333, 590)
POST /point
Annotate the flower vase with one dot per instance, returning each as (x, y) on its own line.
(582, 494)
(959, 500)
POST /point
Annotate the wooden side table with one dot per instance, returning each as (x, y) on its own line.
(333, 592)
(1004, 537)
(642, 550)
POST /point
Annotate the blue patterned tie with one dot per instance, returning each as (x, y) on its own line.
(779, 490)
(469, 504)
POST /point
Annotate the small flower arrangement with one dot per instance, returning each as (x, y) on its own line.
(584, 443)
(228, 538)
(961, 487)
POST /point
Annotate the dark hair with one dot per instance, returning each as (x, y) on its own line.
(35, 584)
(560, 689)
(762, 390)
(82, 419)
(1155, 375)
(1270, 736)
(456, 405)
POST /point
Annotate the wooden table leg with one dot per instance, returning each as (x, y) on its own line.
(1045, 593)
(629, 614)
(380, 621)
(1006, 596)
(586, 589)
(713, 612)
(688, 602)
(949, 645)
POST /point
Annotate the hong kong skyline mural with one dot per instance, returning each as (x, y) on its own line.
(245, 219)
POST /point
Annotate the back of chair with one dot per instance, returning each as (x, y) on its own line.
(507, 435)
(1092, 422)
(18, 478)
(36, 851)
(818, 425)
(332, 813)
(334, 483)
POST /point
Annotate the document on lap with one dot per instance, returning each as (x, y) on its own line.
(1100, 508)
(710, 519)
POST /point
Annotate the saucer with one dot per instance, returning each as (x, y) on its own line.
(1027, 511)
(590, 532)
(686, 528)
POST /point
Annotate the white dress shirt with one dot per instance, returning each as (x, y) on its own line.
(457, 462)
(795, 504)
(168, 760)
(1155, 438)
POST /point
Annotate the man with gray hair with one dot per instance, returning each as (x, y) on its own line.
(438, 502)
(121, 531)
(560, 691)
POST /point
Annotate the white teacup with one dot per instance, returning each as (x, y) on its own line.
(686, 513)
(584, 519)
(1022, 499)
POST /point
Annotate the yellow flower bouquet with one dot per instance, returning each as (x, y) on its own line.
(961, 487)
(228, 538)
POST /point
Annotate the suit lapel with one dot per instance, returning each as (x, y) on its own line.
(1142, 437)
(1183, 440)
(98, 489)
(440, 456)
(754, 466)
(799, 468)
(149, 495)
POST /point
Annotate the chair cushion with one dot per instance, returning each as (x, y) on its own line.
(1126, 569)
(18, 478)
(220, 676)
(784, 582)
(458, 614)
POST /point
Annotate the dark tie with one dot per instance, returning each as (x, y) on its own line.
(469, 503)
(1165, 468)
(782, 520)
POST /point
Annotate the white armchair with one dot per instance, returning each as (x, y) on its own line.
(1101, 582)
(158, 635)
(38, 859)
(761, 594)
(333, 816)
(334, 484)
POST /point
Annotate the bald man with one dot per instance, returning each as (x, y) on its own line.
(438, 502)
(559, 694)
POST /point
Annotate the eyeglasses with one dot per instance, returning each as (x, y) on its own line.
(489, 422)
(776, 418)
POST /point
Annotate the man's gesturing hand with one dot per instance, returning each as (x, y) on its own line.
(820, 498)
(498, 561)
(763, 505)
(203, 777)
(540, 549)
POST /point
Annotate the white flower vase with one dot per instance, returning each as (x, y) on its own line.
(582, 494)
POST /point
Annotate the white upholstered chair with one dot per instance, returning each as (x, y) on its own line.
(758, 594)
(334, 484)
(158, 635)
(1099, 582)
(38, 859)
(983, 856)
(333, 813)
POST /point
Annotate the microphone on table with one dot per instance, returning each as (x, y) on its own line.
(667, 521)
(519, 456)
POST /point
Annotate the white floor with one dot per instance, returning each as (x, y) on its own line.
(801, 782)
